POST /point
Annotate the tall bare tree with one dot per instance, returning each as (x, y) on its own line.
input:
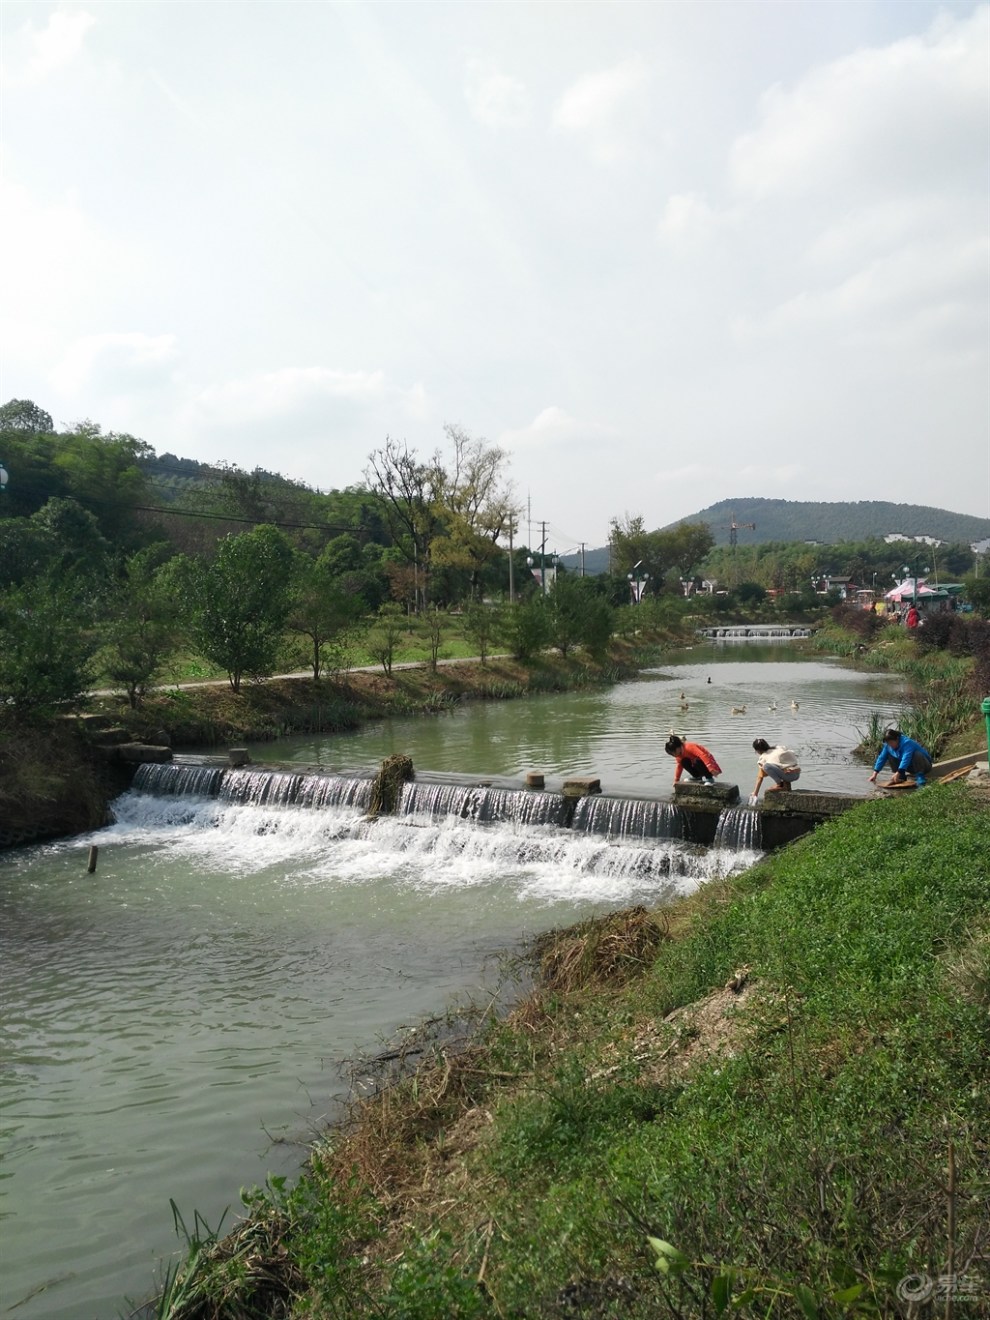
(412, 493)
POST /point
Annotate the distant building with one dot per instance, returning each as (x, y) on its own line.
(845, 587)
(980, 547)
(923, 539)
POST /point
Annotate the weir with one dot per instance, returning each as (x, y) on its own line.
(770, 632)
(701, 816)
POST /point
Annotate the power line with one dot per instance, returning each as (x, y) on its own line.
(231, 517)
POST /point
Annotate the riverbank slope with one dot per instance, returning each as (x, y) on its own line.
(769, 1100)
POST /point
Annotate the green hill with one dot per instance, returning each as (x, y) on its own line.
(810, 520)
(844, 520)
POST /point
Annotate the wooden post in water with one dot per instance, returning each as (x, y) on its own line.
(94, 852)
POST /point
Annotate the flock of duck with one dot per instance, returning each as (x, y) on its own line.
(740, 710)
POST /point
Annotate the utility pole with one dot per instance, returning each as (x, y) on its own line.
(512, 583)
(582, 558)
(543, 566)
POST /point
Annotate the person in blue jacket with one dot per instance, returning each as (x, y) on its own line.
(906, 756)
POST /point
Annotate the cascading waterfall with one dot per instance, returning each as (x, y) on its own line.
(767, 631)
(177, 780)
(255, 787)
(626, 818)
(318, 821)
(739, 828)
(484, 804)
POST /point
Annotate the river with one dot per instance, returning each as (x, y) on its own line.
(172, 1025)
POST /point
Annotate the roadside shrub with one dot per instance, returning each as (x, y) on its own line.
(527, 628)
(863, 623)
(944, 632)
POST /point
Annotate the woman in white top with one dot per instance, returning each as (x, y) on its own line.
(776, 763)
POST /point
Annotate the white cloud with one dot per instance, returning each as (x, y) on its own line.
(52, 256)
(120, 363)
(494, 98)
(689, 472)
(35, 54)
(901, 116)
(551, 428)
(760, 476)
(285, 393)
(607, 109)
(687, 216)
(921, 296)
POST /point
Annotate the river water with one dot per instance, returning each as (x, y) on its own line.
(171, 1026)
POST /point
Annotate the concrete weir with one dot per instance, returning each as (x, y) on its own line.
(783, 817)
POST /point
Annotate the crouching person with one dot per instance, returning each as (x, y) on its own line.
(777, 763)
(906, 756)
(692, 758)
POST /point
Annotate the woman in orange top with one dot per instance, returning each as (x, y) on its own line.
(692, 757)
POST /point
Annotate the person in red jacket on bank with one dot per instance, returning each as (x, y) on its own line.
(695, 759)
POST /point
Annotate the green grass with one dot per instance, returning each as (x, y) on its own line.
(799, 1171)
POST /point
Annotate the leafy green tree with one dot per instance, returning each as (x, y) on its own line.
(141, 630)
(527, 627)
(342, 554)
(483, 626)
(978, 593)
(323, 609)
(632, 547)
(25, 415)
(477, 503)
(75, 540)
(28, 457)
(47, 643)
(25, 550)
(103, 472)
(432, 626)
(579, 615)
(564, 607)
(239, 603)
(386, 634)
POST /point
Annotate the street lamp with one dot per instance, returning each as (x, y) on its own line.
(637, 583)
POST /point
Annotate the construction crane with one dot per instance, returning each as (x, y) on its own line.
(734, 527)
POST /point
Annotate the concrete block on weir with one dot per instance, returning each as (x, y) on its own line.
(535, 779)
(581, 787)
(806, 802)
(238, 756)
(711, 796)
(142, 753)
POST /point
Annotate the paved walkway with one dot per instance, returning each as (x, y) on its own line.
(302, 673)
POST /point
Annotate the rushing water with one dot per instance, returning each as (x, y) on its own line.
(166, 1017)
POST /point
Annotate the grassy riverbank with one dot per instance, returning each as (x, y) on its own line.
(759, 1090)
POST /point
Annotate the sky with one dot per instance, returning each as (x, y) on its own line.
(662, 254)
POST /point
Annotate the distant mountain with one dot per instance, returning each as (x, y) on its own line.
(844, 520)
(809, 520)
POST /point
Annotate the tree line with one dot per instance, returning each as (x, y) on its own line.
(105, 573)
(113, 560)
